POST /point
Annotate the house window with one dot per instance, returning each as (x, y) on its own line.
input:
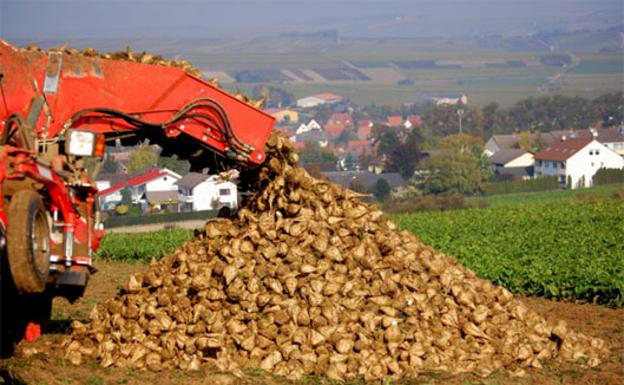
(597, 152)
(591, 152)
(224, 191)
(540, 163)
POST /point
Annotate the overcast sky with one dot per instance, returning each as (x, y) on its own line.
(53, 19)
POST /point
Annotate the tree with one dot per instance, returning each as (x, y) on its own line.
(313, 153)
(404, 157)
(350, 162)
(387, 137)
(110, 166)
(126, 195)
(174, 164)
(142, 158)
(357, 186)
(381, 189)
(274, 97)
(458, 166)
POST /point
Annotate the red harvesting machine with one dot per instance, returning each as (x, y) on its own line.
(56, 109)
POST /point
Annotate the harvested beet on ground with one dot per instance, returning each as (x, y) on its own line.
(309, 280)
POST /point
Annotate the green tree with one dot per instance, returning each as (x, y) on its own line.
(314, 153)
(126, 196)
(142, 158)
(404, 157)
(357, 186)
(381, 189)
(110, 166)
(350, 162)
(458, 166)
(174, 164)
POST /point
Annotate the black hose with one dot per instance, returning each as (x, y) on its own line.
(223, 126)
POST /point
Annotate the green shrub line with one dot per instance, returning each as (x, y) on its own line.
(522, 186)
(130, 220)
(570, 250)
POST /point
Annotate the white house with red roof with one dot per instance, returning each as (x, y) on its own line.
(152, 180)
(318, 99)
(575, 160)
(412, 121)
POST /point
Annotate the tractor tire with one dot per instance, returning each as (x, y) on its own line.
(28, 242)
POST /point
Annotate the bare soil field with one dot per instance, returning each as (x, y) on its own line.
(41, 362)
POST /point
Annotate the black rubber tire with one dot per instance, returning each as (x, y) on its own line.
(28, 242)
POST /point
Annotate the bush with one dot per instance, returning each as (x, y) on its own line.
(608, 176)
(129, 220)
(530, 185)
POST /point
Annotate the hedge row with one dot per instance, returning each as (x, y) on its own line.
(530, 185)
(130, 220)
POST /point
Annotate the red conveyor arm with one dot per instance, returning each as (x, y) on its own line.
(108, 96)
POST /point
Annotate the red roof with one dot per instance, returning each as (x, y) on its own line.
(395, 121)
(415, 120)
(359, 146)
(365, 123)
(136, 181)
(344, 119)
(563, 149)
(334, 130)
(364, 132)
(327, 97)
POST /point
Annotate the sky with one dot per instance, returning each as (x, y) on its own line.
(22, 20)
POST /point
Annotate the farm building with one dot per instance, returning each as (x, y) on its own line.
(575, 161)
(152, 180)
(199, 192)
(317, 100)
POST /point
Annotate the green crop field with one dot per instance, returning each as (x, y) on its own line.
(570, 250)
(504, 200)
(142, 247)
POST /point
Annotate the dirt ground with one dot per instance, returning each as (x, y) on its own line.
(41, 362)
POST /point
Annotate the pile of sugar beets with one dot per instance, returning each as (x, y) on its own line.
(309, 280)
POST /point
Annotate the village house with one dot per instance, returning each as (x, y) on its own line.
(412, 121)
(199, 192)
(310, 126)
(333, 131)
(317, 100)
(395, 121)
(575, 161)
(283, 115)
(512, 164)
(612, 137)
(365, 129)
(152, 180)
(343, 119)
